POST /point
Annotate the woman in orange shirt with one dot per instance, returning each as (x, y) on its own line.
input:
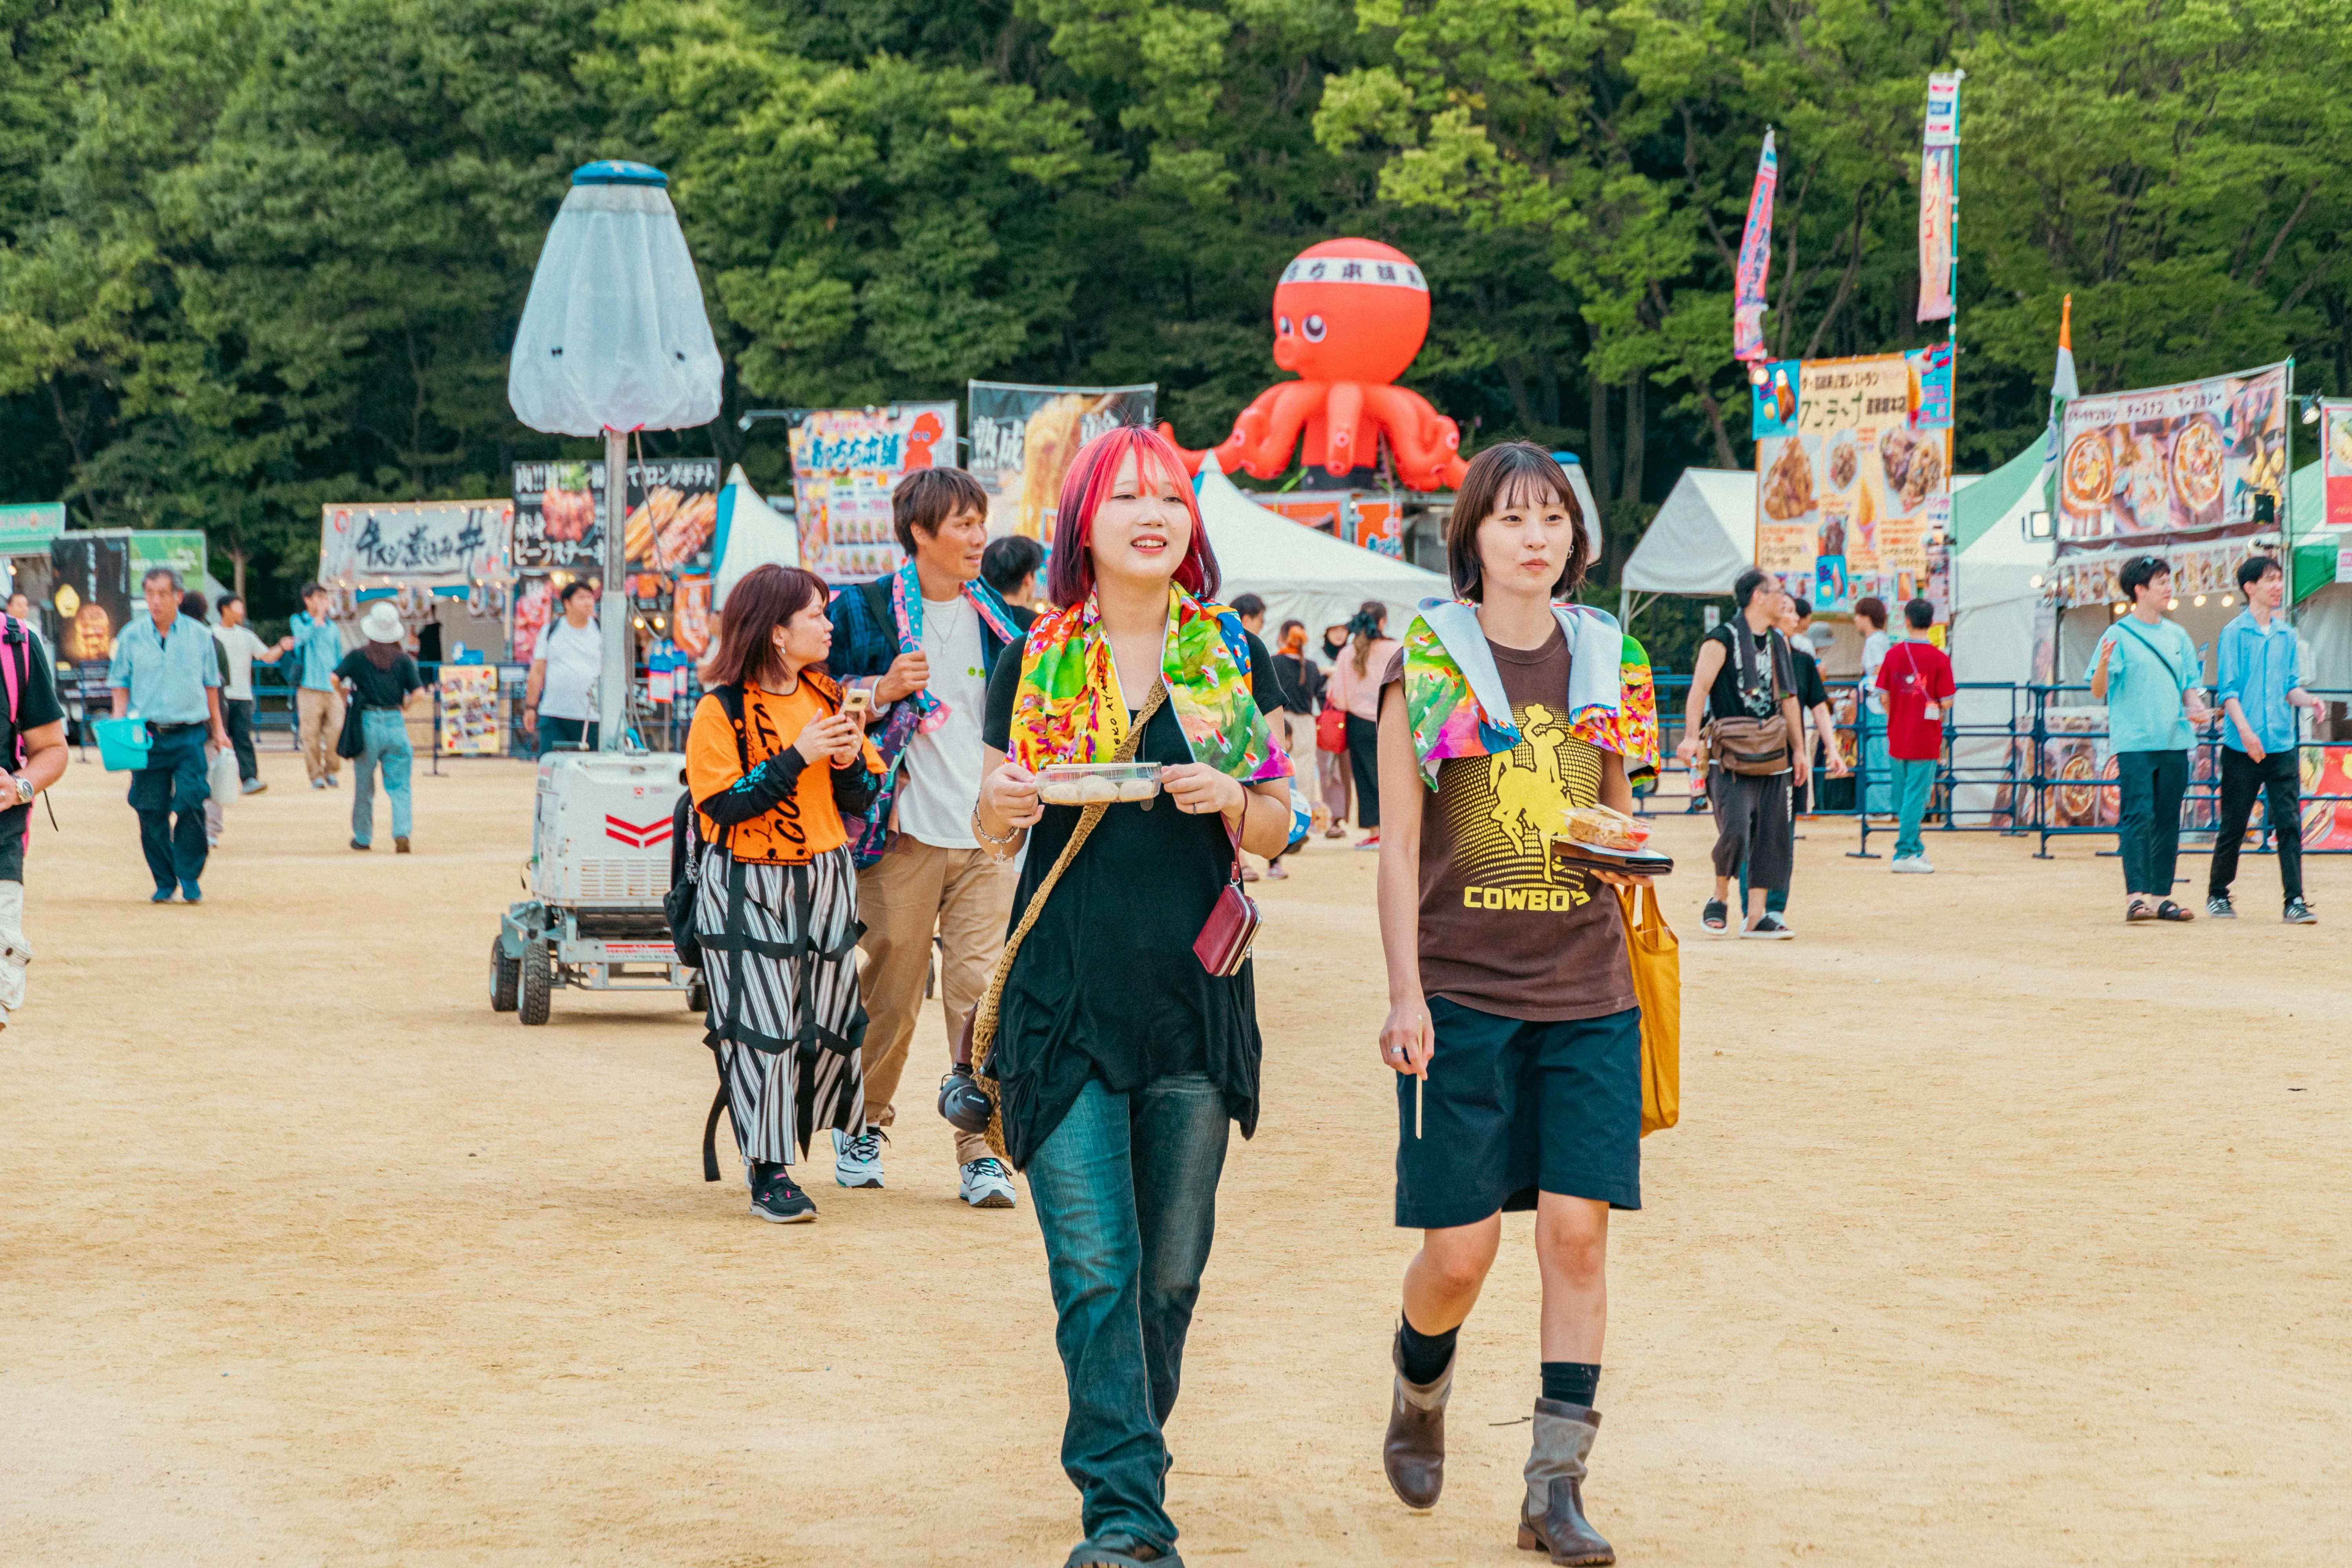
(774, 766)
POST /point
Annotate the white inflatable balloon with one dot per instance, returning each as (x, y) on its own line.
(614, 334)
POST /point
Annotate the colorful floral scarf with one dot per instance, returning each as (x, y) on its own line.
(906, 614)
(1069, 707)
(1616, 714)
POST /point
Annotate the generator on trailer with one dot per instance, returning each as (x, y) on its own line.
(614, 339)
(599, 868)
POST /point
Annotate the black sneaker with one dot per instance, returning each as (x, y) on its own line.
(2219, 908)
(779, 1202)
(2299, 913)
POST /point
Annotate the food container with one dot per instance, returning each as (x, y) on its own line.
(1097, 783)
(1583, 822)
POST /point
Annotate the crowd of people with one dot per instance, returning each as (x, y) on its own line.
(868, 813)
(1756, 687)
(874, 773)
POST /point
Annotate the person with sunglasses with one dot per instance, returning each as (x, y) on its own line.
(2147, 671)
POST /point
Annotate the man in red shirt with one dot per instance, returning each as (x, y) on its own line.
(1917, 679)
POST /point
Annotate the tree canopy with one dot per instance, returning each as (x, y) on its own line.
(258, 256)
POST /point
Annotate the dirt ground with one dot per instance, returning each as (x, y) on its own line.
(1993, 1232)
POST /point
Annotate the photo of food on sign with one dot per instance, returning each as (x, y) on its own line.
(1853, 497)
(2186, 460)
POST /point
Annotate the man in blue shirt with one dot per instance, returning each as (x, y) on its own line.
(165, 666)
(2260, 683)
(318, 706)
(2147, 672)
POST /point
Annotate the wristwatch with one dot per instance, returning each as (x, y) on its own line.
(25, 790)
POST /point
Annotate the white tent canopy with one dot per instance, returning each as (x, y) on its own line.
(1997, 592)
(1703, 537)
(1300, 574)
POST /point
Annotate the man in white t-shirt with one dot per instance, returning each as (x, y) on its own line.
(236, 640)
(558, 700)
(923, 641)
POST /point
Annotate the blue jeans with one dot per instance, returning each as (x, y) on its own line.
(1879, 799)
(385, 736)
(172, 783)
(1126, 1190)
(1914, 782)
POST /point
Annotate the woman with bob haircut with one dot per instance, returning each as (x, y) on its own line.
(1116, 1058)
(774, 768)
(1504, 711)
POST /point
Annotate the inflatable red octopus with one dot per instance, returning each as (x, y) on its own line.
(1348, 316)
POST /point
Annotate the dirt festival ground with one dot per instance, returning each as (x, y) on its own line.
(1993, 1232)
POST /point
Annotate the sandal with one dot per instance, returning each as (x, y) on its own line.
(2138, 910)
(2168, 911)
(1715, 917)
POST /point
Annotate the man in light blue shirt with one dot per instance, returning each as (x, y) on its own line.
(166, 667)
(317, 705)
(2260, 684)
(2147, 671)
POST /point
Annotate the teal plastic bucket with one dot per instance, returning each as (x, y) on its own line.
(121, 744)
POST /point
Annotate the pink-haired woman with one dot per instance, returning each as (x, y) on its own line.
(1118, 1059)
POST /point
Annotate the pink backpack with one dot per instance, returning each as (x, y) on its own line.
(17, 668)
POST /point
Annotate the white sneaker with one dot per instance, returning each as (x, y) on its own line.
(1913, 864)
(857, 1162)
(987, 1184)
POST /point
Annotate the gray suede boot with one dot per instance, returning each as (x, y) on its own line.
(1553, 1518)
(1414, 1452)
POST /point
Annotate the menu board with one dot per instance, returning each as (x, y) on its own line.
(2173, 462)
(1854, 488)
(845, 463)
(469, 711)
(558, 514)
(2336, 473)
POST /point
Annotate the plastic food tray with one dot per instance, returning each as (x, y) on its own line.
(1097, 783)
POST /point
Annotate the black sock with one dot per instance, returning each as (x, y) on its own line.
(1571, 1382)
(1424, 1355)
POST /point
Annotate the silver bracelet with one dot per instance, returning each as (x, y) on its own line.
(989, 838)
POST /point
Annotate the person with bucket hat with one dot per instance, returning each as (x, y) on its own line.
(380, 675)
(165, 666)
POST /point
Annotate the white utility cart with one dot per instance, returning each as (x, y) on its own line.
(600, 853)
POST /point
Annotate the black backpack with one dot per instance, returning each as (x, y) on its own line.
(685, 839)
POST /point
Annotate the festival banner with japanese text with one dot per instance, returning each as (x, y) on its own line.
(1939, 156)
(1747, 304)
(1854, 489)
(845, 462)
(416, 542)
(558, 512)
(1022, 438)
(2174, 463)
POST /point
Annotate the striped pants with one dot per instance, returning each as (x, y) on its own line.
(784, 1018)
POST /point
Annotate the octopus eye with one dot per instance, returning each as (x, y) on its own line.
(1281, 325)
(1313, 327)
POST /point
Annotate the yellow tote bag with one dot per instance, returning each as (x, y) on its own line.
(1658, 987)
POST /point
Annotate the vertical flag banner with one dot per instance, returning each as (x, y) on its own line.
(1755, 260)
(1939, 171)
(2064, 389)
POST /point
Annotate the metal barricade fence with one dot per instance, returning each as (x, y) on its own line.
(2030, 765)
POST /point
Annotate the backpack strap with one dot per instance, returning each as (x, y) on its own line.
(15, 665)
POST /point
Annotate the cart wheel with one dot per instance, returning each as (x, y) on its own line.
(505, 975)
(698, 996)
(537, 981)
